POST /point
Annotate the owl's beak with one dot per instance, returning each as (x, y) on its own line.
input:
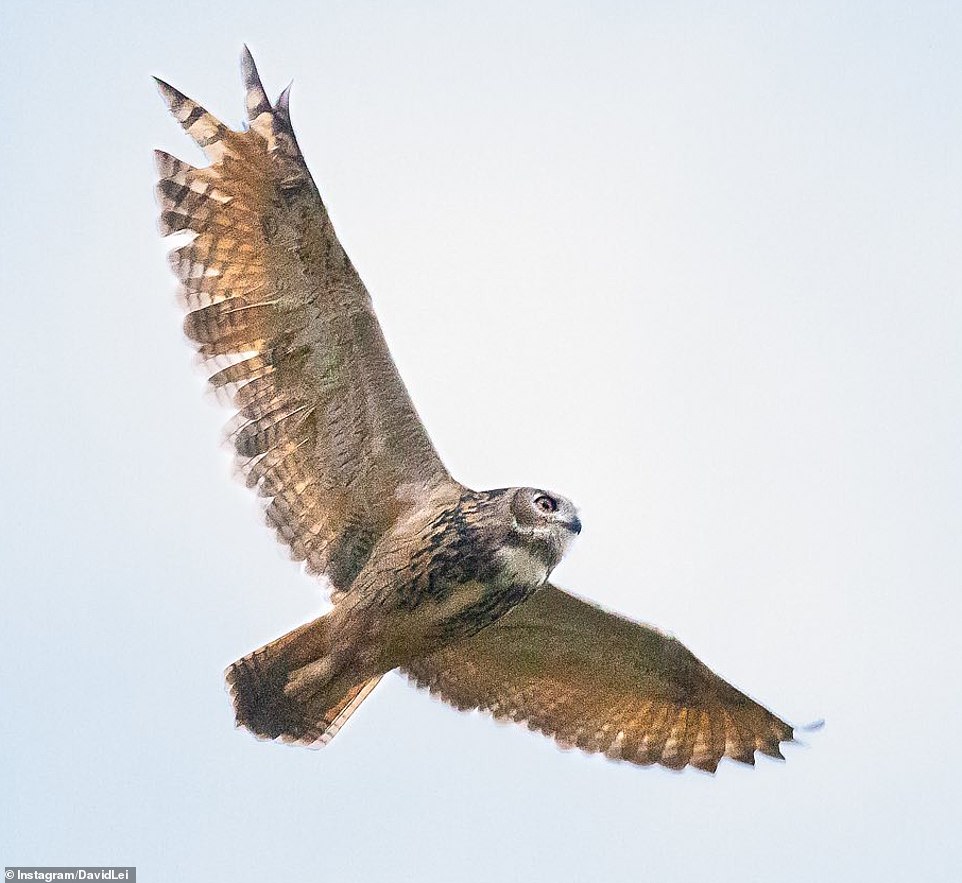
(574, 525)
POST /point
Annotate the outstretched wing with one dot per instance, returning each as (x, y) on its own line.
(324, 430)
(603, 683)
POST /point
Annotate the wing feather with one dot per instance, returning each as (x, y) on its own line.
(601, 682)
(324, 430)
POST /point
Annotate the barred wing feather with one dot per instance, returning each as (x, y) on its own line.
(598, 681)
(325, 429)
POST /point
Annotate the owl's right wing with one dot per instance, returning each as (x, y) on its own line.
(324, 430)
(598, 681)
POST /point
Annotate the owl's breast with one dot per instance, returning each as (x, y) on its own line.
(462, 610)
(465, 571)
(479, 610)
(502, 578)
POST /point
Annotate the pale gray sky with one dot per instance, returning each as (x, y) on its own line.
(697, 270)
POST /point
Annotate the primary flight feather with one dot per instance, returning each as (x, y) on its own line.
(448, 584)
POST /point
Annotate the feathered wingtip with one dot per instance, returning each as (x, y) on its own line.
(278, 118)
(256, 100)
(210, 134)
(269, 123)
(284, 100)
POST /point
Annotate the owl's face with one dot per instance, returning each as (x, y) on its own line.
(545, 522)
(543, 511)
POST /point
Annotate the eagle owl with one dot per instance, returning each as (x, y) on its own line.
(448, 584)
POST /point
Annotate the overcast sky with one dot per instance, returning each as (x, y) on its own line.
(698, 271)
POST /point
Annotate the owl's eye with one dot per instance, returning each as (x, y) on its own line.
(545, 503)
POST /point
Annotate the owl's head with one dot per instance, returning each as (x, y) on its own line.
(543, 522)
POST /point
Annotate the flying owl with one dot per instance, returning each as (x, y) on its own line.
(447, 584)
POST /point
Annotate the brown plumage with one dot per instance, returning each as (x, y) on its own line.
(603, 683)
(426, 575)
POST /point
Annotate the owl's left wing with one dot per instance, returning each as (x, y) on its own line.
(598, 681)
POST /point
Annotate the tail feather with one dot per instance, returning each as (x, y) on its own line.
(311, 714)
(336, 717)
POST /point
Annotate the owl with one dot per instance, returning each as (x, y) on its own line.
(448, 584)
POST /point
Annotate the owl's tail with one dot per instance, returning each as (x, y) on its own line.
(288, 690)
